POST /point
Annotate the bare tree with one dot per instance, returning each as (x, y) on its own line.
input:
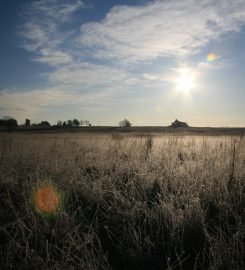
(125, 123)
(87, 123)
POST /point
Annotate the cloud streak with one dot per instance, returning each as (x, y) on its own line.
(161, 29)
(42, 31)
(86, 75)
(127, 35)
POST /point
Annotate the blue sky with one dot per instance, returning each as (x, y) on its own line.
(109, 60)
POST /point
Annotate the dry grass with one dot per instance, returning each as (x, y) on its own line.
(129, 202)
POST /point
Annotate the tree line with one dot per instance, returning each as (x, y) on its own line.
(69, 123)
(11, 123)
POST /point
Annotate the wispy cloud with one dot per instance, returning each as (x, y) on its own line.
(161, 29)
(57, 10)
(127, 34)
(42, 30)
(87, 74)
(53, 57)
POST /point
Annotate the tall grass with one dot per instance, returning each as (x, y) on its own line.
(130, 202)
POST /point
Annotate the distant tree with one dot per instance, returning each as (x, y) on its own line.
(9, 123)
(2, 122)
(69, 123)
(44, 124)
(76, 122)
(82, 122)
(64, 124)
(125, 123)
(27, 122)
(59, 123)
(87, 123)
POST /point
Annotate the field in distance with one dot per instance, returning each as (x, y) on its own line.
(212, 131)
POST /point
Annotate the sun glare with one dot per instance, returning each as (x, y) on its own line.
(46, 199)
(185, 81)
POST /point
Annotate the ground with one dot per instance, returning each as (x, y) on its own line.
(126, 199)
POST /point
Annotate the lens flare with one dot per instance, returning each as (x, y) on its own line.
(212, 57)
(46, 199)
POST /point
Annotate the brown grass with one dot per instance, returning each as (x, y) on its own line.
(128, 202)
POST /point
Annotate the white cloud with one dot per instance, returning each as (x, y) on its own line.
(126, 35)
(161, 29)
(129, 34)
(42, 31)
(153, 77)
(58, 10)
(35, 36)
(54, 57)
(88, 75)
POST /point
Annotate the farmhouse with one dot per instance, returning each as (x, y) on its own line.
(177, 124)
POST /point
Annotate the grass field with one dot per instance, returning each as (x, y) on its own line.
(125, 201)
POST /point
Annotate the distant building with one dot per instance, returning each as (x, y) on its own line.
(177, 124)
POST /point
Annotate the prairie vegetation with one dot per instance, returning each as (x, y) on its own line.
(128, 202)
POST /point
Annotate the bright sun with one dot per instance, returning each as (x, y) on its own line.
(185, 81)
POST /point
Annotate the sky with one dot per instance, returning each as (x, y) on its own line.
(105, 60)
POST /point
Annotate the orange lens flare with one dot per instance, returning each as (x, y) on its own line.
(46, 199)
(212, 57)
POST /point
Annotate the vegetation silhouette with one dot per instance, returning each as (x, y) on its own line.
(8, 123)
(125, 123)
(27, 122)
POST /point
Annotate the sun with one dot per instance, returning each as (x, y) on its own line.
(185, 81)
